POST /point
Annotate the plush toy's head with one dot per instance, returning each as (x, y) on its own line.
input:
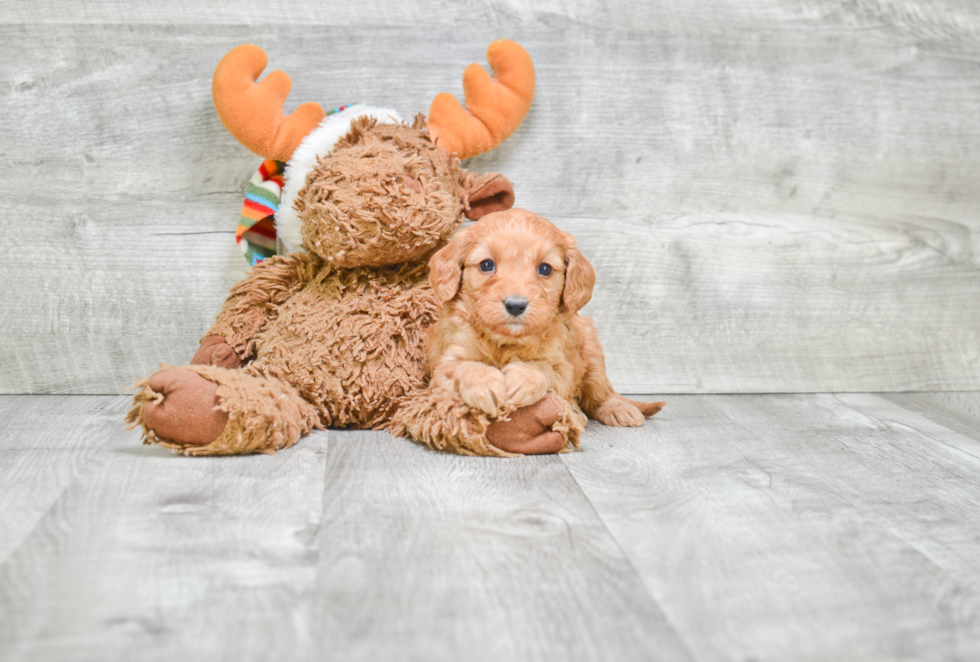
(362, 187)
(387, 194)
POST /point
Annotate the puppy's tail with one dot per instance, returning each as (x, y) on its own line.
(648, 409)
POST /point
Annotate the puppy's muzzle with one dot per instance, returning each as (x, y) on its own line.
(515, 305)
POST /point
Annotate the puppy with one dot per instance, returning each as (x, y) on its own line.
(509, 333)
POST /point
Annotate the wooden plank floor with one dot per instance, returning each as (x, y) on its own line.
(768, 527)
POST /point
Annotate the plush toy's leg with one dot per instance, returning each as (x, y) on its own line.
(207, 410)
(547, 426)
(440, 420)
(183, 408)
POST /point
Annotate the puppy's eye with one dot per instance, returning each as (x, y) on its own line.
(486, 266)
(544, 269)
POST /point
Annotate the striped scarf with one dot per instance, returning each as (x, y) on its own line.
(257, 224)
(256, 234)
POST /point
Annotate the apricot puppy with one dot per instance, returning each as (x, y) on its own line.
(509, 331)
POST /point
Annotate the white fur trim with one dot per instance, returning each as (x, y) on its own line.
(318, 143)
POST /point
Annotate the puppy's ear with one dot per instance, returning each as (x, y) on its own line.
(446, 268)
(579, 280)
(486, 194)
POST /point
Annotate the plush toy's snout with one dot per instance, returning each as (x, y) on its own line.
(386, 195)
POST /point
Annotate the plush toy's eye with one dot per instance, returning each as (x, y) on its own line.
(544, 269)
(486, 266)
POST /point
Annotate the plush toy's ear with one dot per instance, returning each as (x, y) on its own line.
(579, 279)
(446, 268)
(488, 194)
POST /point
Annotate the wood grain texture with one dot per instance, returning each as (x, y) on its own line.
(427, 556)
(803, 527)
(44, 444)
(777, 196)
(780, 304)
(366, 547)
(959, 411)
(926, 17)
(766, 527)
(898, 417)
(148, 555)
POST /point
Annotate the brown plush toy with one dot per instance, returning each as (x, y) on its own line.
(333, 334)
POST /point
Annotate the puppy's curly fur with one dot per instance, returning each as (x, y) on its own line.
(509, 330)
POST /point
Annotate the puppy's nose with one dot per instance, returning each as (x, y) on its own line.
(515, 305)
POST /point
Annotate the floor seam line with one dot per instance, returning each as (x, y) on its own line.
(629, 562)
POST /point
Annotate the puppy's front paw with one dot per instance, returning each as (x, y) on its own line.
(619, 413)
(481, 386)
(525, 385)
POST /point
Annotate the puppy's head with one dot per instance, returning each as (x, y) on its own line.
(513, 273)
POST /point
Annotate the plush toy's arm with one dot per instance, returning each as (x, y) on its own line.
(252, 303)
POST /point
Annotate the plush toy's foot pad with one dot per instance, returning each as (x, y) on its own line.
(209, 410)
(185, 411)
(529, 430)
(440, 419)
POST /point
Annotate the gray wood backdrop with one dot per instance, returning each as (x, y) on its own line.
(777, 196)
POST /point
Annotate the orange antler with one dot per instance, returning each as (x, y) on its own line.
(252, 112)
(496, 106)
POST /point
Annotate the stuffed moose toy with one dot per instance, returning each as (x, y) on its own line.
(334, 332)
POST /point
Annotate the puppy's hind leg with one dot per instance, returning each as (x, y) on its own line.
(599, 400)
(648, 409)
(618, 411)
